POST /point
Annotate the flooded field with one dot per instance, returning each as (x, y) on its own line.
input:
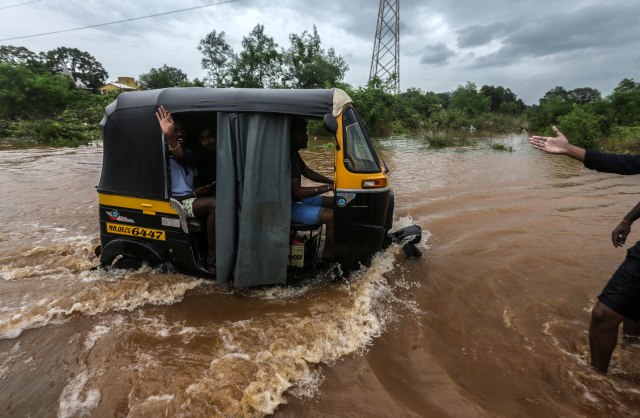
(491, 321)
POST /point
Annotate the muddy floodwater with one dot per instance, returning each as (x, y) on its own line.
(491, 322)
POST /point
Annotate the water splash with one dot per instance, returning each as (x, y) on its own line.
(261, 361)
(113, 291)
(249, 367)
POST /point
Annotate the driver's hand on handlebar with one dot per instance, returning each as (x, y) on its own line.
(620, 233)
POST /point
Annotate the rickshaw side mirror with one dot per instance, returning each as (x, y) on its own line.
(330, 123)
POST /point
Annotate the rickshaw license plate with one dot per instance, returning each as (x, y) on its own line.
(136, 231)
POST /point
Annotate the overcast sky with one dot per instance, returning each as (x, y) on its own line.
(528, 46)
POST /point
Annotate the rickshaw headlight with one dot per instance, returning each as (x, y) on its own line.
(374, 184)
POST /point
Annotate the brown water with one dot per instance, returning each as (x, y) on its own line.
(491, 321)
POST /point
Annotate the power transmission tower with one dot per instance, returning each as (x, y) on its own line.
(385, 61)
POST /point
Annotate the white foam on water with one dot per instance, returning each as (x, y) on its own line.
(76, 400)
(268, 359)
(281, 293)
(158, 326)
(98, 332)
(61, 258)
(10, 359)
(149, 407)
(125, 294)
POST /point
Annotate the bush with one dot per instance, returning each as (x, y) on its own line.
(623, 139)
(501, 147)
(453, 119)
(582, 128)
(440, 141)
(399, 127)
(90, 107)
(63, 130)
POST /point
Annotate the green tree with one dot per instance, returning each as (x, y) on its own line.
(556, 94)
(309, 66)
(260, 62)
(375, 105)
(164, 76)
(217, 59)
(81, 65)
(90, 107)
(625, 101)
(415, 107)
(469, 100)
(445, 97)
(29, 94)
(20, 55)
(582, 127)
(196, 82)
(305, 64)
(503, 100)
(553, 105)
(584, 95)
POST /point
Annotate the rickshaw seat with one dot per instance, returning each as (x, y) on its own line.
(304, 227)
(310, 231)
(311, 236)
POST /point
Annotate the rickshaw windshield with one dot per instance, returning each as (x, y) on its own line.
(360, 156)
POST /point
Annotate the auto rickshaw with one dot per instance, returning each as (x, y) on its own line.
(255, 241)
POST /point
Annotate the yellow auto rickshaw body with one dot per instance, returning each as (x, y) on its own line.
(141, 222)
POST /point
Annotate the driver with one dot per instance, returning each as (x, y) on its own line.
(308, 207)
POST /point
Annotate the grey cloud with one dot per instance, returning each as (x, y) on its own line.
(477, 35)
(593, 27)
(436, 54)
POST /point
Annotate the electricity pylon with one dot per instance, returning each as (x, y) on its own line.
(385, 61)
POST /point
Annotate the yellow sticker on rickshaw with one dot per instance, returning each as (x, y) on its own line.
(136, 231)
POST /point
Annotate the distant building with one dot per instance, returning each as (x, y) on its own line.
(123, 84)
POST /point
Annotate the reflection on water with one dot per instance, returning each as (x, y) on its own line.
(492, 321)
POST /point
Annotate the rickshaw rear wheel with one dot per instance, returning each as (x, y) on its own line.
(126, 254)
(127, 263)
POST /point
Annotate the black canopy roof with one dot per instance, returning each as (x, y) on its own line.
(134, 158)
(312, 103)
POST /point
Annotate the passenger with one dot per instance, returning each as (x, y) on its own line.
(307, 206)
(197, 202)
(205, 159)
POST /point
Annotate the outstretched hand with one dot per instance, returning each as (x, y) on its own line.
(553, 145)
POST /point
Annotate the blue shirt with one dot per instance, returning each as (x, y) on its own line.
(181, 178)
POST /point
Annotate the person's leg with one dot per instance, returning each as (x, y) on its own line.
(603, 335)
(618, 302)
(206, 207)
(325, 216)
(305, 214)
